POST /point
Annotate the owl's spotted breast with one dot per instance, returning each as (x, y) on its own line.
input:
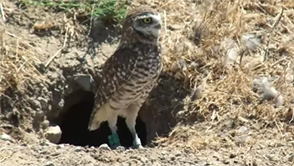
(149, 64)
(142, 79)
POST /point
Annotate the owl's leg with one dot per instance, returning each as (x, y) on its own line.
(113, 139)
(132, 113)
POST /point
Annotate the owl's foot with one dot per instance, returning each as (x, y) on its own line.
(113, 140)
(137, 142)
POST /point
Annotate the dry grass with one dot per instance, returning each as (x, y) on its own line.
(17, 61)
(230, 85)
(205, 45)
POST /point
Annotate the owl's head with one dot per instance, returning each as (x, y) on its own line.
(143, 24)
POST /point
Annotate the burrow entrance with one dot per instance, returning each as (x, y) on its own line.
(74, 119)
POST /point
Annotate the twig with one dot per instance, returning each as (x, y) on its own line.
(22, 65)
(51, 58)
(278, 18)
(272, 65)
(238, 150)
(91, 19)
(2, 12)
(2, 160)
(10, 34)
(279, 128)
(55, 55)
(164, 14)
(292, 115)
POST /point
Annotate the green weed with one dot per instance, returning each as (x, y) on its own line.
(105, 10)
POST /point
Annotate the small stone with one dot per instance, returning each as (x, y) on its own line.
(61, 103)
(23, 144)
(104, 146)
(43, 152)
(175, 27)
(291, 158)
(45, 124)
(241, 139)
(53, 134)
(60, 146)
(232, 155)
(242, 129)
(226, 161)
(6, 137)
(232, 56)
(84, 81)
(120, 148)
(49, 164)
(164, 152)
(280, 144)
(251, 41)
(78, 149)
(46, 143)
(144, 159)
(178, 153)
(55, 154)
(43, 102)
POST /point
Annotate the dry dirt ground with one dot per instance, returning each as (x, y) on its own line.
(225, 96)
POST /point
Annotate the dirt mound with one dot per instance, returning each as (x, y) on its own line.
(225, 92)
(57, 73)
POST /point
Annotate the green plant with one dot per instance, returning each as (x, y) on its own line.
(105, 10)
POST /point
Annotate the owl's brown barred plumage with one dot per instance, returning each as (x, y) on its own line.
(130, 73)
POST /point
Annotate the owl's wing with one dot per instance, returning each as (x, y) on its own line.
(116, 71)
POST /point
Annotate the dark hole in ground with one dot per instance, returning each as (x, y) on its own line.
(74, 122)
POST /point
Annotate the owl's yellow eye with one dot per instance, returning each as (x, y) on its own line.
(147, 20)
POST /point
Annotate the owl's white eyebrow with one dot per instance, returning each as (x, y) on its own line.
(140, 17)
(148, 16)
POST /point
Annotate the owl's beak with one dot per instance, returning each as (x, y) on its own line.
(158, 26)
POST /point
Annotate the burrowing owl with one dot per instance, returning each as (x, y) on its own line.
(129, 74)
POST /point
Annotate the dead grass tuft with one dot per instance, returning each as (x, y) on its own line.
(228, 46)
(18, 60)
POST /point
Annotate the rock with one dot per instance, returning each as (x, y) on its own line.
(144, 160)
(45, 124)
(120, 148)
(44, 152)
(232, 56)
(251, 41)
(178, 153)
(84, 81)
(104, 146)
(46, 143)
(241, 139)
(6, 137)
(242, 129)
(60, 146)
(43, 102)
(53, 134)
(78, 149)
(49, 164)
(225, 161)
(175, 27)
(24, 144)
(291, 158)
